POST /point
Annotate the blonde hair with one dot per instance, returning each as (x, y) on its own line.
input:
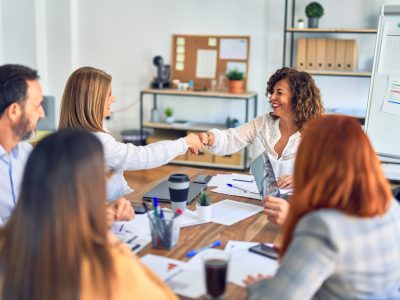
(85, 94)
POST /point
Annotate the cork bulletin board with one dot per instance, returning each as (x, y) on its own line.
(202, 58)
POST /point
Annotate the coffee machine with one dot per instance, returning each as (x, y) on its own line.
(163, 74)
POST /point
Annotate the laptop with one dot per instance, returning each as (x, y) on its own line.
(264, 176)
(161, 192)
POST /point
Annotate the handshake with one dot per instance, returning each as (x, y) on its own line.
(197, 142)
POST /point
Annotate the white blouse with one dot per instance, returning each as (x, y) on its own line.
(120, 156)
(263, 134)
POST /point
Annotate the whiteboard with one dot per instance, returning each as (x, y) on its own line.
(382, 123)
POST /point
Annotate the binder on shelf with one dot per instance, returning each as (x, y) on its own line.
(330, 54)
(340, 55)
(321, 52)
(311, 59)
(351, 55)
(301, 53)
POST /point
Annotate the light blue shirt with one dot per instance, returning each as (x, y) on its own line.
(12, 167)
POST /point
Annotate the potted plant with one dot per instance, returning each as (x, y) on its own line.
(168, 111)
(300, 23)
(235, 81)
(314, 11)
(204, 206)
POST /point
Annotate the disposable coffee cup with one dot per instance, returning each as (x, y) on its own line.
(178, 190)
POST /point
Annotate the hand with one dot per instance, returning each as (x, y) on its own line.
(194, 143)
(286, 182)
(251, 279)
(276, 210)
(207, 138)
(122, 210)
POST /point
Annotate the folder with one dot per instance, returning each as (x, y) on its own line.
(351, 55)
(321, 51)
(340, 55)
(330, 54)
(301, 53)
(311, 58)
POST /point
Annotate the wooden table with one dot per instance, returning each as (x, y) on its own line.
(255, 228)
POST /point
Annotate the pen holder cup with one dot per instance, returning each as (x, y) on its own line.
(164, 231)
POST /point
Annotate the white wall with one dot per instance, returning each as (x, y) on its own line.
(122, 37)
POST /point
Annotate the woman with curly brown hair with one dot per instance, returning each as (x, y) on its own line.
(294, 99)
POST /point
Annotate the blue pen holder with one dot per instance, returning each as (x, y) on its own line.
(164, 231)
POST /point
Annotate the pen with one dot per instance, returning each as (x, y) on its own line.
(212, 245)
(131, 239)
(239, 188)
(243, 180)
(135, 247)
(177, 213)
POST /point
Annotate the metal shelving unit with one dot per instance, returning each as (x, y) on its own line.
(193, 126)
(290, 31)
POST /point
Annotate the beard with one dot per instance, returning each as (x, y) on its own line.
(22, 129)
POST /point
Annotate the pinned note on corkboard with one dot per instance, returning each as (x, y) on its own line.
(202, 58)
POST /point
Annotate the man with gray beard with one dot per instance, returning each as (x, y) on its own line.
(20, 110)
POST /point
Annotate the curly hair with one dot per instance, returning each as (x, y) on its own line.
(306, 101)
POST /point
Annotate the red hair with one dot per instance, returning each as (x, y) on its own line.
(336, 167)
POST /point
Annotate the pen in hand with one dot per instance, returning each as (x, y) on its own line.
(212, 245)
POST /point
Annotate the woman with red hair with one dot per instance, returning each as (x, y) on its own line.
(342, 236)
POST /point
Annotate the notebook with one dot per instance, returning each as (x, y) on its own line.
(161, 191)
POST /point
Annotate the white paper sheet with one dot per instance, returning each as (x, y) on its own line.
(164, 267)
(187, 283)
(228, 212)
(244, 263)
(206, 64)
(235, 192)
(389, 61)
(132, 233)
(139, 225)
(391, 102)
(233, 49)
(189, 218)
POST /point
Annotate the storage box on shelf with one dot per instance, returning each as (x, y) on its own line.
(341, 55)
(163, 130)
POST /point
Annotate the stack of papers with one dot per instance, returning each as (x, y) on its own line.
(135, 234)
(188, 279)
(244, 185)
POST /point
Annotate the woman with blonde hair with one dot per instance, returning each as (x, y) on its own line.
(342, 236)
(86, 101)
(56, 244)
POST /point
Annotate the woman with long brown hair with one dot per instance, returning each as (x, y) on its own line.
(342, 236)
(56, 243)
(295, 100)
(86, 101)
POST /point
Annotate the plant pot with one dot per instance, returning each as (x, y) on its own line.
(313, 22)
(169, 120)
(204, 212)
(235, 86)
(300, 24)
